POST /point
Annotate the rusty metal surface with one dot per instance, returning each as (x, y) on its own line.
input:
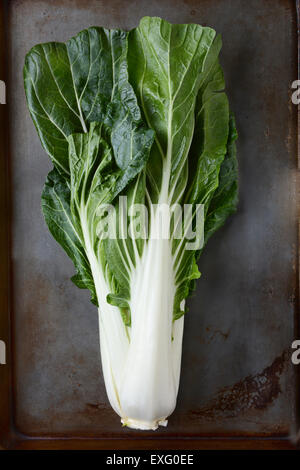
(237, 378)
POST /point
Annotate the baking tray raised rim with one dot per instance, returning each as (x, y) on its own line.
(10, 437)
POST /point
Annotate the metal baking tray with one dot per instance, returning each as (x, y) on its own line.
(238, 385)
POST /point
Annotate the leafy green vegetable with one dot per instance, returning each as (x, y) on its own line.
(143, 144)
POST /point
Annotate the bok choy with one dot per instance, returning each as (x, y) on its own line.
(142, 141)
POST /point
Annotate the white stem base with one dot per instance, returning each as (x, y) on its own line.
(141, 365)
(144, 425)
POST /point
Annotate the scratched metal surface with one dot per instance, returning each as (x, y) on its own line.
(236, 374)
